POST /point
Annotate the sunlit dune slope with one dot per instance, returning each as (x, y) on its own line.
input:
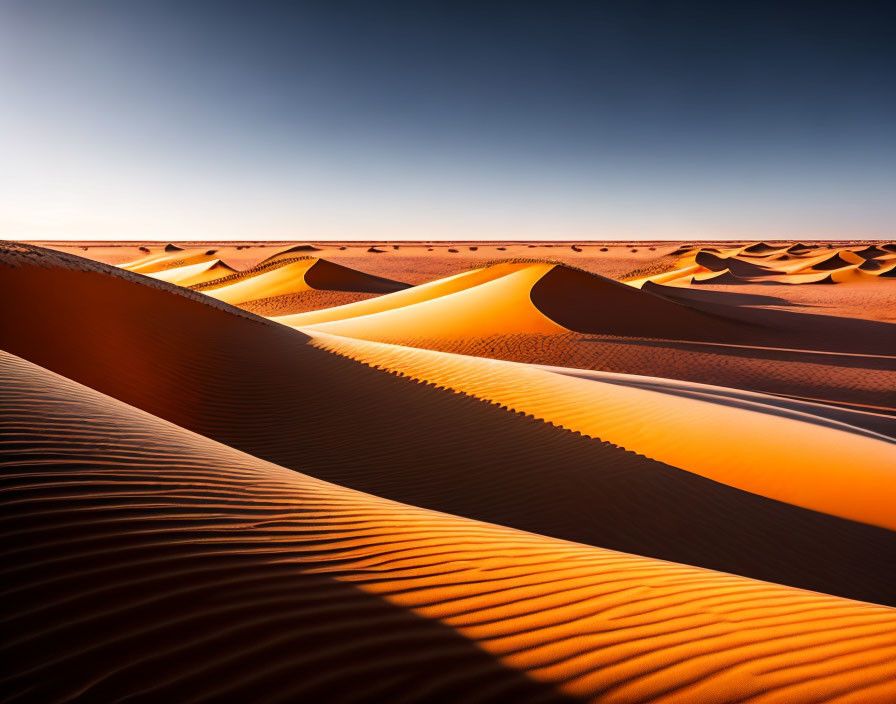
(785, 455)
(170, 259)
(146, 561)
(262, 388)
(281, 277)
(856, 389)
(525, 298)
(513, 297)
(502, 304)
(411, 296)
(193, 274)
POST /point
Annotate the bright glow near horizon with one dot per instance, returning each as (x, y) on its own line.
(200, 123)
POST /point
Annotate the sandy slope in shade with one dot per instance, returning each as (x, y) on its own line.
(787, 456)
(261, 388)
(145, 560)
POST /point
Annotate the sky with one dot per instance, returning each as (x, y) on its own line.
(449, 120)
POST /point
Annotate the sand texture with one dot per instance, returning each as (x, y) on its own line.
(516, 480)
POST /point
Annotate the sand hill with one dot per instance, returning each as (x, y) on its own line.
(544, 298)
(286, 282)
(777, 264)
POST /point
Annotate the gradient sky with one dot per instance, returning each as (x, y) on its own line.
(446, 120)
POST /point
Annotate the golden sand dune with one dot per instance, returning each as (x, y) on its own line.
(544, 298)
(784, 455)
(146, 561)
(513, 297)
(284, 281)
(856, 389)
(170, 259)
(784, 264)
(411, 296)
(193, 274)
(263, 389)
(280, 277)
(502, 304)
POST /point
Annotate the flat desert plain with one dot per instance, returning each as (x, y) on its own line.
(452, 472)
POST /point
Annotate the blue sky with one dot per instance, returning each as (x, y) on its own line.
(448, 120)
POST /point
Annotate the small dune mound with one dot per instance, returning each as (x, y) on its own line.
(194, 274)
(872, 252)
(873, 265)
(761, 248)
(295, 249)
(725, 276)
(766, 264)
(284, 276)
(714, 262)
(169, 259)
(835, 261)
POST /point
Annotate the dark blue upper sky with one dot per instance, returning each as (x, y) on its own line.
(426, 120)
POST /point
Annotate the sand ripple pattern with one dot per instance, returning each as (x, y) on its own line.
(145, 561)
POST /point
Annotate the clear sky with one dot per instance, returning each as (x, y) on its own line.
(447, 120)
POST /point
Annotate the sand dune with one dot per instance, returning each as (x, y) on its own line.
(789, 456)
(736, 266)
(764, 263)
(149, 561)
(855, 388)
(262, 388)
(193, 274)
(511, 298)
(286, 282)
(283, 276)
(170, 259)
(543, 298)
(411, 296)
(502, 304)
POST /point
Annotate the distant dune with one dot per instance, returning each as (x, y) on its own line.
(546, 298)
(283, 283)
(777, 264)
(193, 274)
(148, 561)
